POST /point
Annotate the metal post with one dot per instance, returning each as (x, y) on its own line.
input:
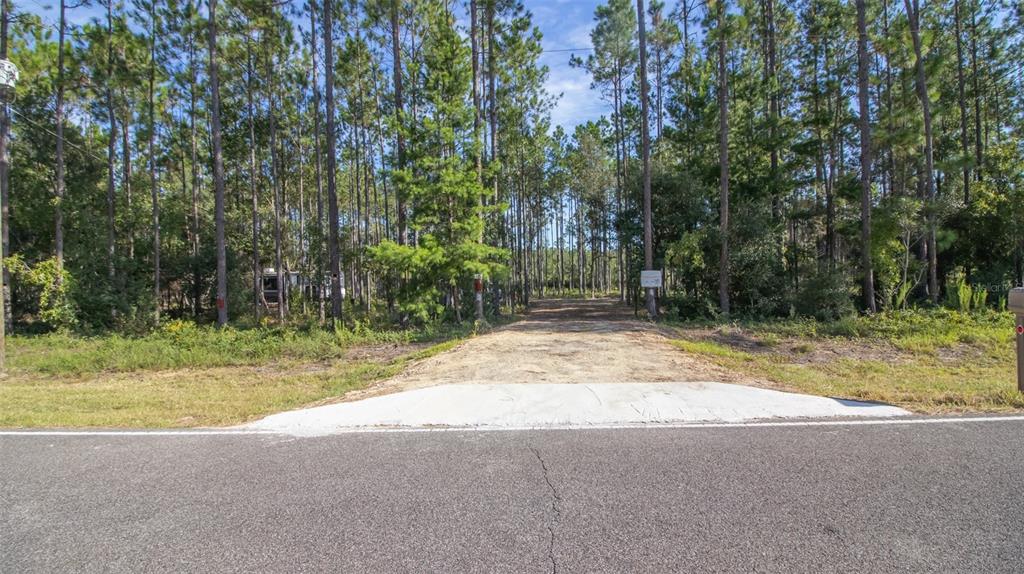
(1015, 303)
(1020, 352)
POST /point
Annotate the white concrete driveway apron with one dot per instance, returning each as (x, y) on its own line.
(541, 405)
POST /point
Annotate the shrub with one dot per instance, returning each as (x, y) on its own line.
(826, 297)
(965, 298)
(685, 306)
(52, 284)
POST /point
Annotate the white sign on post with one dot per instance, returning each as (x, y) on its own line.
(650, 279)
(8, 74)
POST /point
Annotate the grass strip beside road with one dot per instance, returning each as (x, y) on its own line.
(932, 362)
(183, 344)
(60, 381)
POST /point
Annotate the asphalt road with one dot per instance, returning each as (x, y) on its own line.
(944, 497)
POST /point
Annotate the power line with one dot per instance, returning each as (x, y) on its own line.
(568, 50)
(47, 21)
(47, 130)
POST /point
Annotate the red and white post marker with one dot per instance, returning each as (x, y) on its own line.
(478, 295)
(1016, 304)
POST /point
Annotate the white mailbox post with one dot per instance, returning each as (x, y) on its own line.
(1016, 304)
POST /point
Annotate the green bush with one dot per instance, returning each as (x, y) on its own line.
(51, 284)
(826, 297)
(964, 298)
(684, 306)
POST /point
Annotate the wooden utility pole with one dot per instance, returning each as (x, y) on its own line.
(645, 143)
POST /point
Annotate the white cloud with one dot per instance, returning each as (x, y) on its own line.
(578, 103)
(566, 25)
(579, 36)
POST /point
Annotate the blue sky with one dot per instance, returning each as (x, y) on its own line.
(565, 24)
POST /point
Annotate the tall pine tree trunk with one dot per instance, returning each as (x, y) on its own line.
(659, 70)
(921, 85)
(320, 275)
(978, 157)
(492, 75)
(723, 154)
(5, 185)
(332, 191)
(197, 272)
(111, 143)
(257, 273)
(474, 35)
(961, 102)
(153, 191)
(396, 53)
(620, 174)
(58, 192)
(218, 170)
(865, 158)
(275, 184)
(771, 76)
(302, 253)
(645, 144)
(560, 224)
(379, 124)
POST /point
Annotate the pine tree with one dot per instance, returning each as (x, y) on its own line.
(218, 169)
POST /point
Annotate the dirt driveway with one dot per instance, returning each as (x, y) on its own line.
(560, 341)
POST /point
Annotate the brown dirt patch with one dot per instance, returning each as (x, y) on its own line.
(383, 353)
(561, 341)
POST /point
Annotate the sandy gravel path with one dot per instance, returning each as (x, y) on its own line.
(560, 341)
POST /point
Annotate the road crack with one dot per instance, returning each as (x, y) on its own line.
(556, 510)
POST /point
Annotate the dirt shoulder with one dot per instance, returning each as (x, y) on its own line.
(562, 341)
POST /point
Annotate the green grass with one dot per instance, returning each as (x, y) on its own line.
(184, 375)
(197, 398)
(912, 330)
(931, 361)
(712, 349)
(804, 347)
(182, 344)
